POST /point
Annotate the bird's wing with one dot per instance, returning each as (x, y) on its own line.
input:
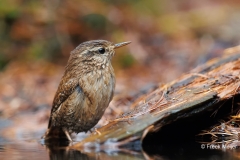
(65, 89)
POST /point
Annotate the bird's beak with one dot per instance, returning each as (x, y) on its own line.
(121, 44)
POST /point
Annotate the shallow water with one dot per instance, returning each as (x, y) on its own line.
(35, 149)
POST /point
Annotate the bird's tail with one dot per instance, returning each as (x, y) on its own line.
(54, 133)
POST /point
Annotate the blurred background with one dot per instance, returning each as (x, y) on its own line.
(168, 37)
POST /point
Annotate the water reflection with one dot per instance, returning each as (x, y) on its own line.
(63, 154)
(59, 150)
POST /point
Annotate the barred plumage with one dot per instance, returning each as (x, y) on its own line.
(85, 89)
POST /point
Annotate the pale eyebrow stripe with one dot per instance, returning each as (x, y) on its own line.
(96, 48)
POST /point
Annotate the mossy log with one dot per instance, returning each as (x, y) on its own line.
(193, 93)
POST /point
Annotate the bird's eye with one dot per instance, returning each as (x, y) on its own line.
(101, 50)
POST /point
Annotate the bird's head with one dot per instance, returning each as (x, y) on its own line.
(95, 52)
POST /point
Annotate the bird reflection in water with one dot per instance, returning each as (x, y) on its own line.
(59, 150)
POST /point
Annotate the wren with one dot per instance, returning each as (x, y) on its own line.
(85, 90)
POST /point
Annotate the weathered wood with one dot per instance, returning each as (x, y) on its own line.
(193, 93)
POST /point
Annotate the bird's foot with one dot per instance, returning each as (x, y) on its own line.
(67, 134)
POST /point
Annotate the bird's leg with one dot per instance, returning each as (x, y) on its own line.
(67, 134)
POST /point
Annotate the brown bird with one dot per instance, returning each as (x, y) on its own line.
(85, 90)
